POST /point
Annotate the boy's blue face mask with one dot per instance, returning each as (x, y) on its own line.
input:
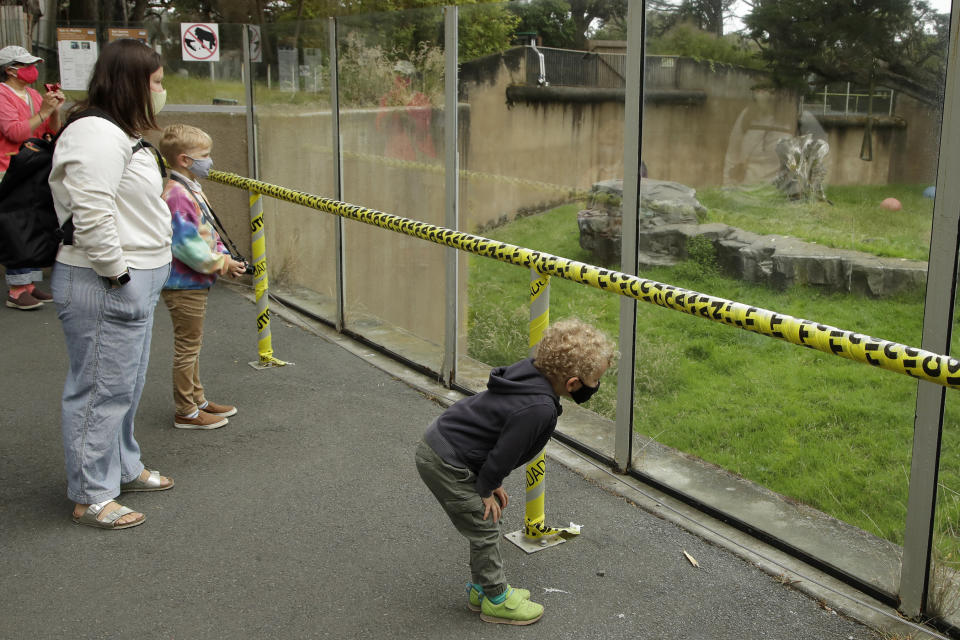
(584, 393)
(201, 166)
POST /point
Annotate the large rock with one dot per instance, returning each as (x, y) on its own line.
(661, 203)
(782, 262)
(669, 219)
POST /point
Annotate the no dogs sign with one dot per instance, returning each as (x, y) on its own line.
(200, 41)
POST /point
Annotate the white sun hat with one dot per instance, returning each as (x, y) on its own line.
(15, 54)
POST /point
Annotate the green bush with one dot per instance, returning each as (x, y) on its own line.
(687, 40)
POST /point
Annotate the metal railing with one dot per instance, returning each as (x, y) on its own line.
(850, 101)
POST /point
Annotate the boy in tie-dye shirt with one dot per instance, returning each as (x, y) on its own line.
(199, 258)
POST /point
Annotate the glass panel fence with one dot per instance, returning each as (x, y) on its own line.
(295, 145)
(207, 91)
(540, 158)
(391, 124)
(203, 63)
(943, 600)
(758, 188)
(822, 216)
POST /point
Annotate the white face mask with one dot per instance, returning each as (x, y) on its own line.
(159, 99)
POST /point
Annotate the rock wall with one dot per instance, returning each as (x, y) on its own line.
(669, 220)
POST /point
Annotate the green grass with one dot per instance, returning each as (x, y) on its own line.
(831, 433)
(202, 90)
(854, 220)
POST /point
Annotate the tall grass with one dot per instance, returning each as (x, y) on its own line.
(831, 433)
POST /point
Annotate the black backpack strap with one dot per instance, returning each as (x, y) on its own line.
(143, 144)
(216, 221)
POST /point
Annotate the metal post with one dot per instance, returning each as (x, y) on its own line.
(539, 308)
(257, 236)
(536, 534)
(846, 104)
(937, 326)
(248, 78)
(337, 161)
(632, 150)
(451, 79)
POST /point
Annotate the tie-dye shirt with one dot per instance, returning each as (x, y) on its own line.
(198, 252)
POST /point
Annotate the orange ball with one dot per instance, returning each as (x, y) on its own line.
(891, 204)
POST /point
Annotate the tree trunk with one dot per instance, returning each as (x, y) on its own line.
(84, 11)
(139, 12)
(581, 16)
(299, 25)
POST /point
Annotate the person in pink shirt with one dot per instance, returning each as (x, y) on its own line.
(24, 114)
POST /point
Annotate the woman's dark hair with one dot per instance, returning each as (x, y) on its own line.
(120, 85)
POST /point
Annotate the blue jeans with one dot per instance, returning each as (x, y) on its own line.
(20, 277)
(107, 331)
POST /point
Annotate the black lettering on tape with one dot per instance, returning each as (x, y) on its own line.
(889, 350)
(775, 321)
(717, 307)
(931, 366)
(836, 341)
(263, 320)
(535, 472)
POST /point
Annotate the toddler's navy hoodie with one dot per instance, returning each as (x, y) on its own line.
(497, 430)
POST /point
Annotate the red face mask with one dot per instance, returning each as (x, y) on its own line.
(28, 74)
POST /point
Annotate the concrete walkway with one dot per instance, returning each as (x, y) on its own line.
(305, 518)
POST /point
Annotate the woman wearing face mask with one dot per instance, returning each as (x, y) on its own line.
(24, 114)
(107, 282)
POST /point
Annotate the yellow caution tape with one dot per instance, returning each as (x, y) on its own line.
(534, 525)
(539, 308)
(917, 363)
(261, 286)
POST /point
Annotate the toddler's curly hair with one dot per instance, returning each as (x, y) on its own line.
(572, 348)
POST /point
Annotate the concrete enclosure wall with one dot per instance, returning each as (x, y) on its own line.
(705, 125)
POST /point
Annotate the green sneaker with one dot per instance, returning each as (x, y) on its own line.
(514, 610)
(475, 596)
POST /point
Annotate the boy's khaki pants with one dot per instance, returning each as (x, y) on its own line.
(454, 488)
(187, 309)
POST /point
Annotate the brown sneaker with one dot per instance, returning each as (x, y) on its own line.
(203, 420)
(24, 302)
(222, 410)
(42, 296)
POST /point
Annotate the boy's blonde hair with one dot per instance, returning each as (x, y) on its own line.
(574, 349)
(180, 138)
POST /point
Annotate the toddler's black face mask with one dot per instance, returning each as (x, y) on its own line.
(583, 394)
